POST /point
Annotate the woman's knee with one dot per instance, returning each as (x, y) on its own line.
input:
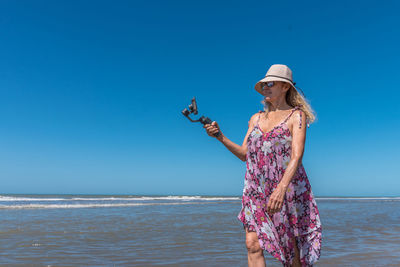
(253, 247)
(252, 243)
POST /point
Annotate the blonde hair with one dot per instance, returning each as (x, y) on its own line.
(294, 99)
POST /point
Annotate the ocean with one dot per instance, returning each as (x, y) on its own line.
(98, 230)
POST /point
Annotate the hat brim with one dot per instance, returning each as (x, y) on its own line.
(270, 79)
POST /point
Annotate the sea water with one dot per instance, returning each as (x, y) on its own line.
(93, 230)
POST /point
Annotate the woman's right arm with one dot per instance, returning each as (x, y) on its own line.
(239, 151)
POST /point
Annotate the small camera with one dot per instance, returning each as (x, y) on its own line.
(193, 109)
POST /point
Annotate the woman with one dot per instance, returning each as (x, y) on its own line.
(279, 212)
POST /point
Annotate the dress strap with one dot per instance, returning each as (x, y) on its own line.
(289, 115)
(258, 117)
(293, 110)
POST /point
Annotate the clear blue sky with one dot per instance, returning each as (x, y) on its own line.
(91, 93)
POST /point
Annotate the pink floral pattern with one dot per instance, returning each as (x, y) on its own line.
(267, 158)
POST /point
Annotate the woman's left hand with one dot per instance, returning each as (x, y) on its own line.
(275, 201)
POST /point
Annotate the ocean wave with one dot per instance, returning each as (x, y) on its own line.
(92, 205)
(183, 198)
(357, 198)
(6, 198)
(187, 198)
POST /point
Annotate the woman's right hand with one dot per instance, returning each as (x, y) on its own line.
(212, 129)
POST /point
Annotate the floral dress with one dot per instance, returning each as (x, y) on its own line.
(267, 158)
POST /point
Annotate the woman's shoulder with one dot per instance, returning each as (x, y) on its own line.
(298, 117)
(254, 117)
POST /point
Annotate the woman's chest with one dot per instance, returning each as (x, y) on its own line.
(277, 139)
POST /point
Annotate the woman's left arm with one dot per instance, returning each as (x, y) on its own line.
(298, 141)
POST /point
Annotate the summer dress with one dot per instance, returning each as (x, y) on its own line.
(267, 158)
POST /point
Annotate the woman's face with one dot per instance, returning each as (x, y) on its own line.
(273, 92)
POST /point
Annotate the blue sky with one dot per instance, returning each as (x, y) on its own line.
(91, 93)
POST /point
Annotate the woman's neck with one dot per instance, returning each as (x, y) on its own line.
(278, 107)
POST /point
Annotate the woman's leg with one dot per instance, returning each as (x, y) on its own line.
(296, 260)
(255, 256)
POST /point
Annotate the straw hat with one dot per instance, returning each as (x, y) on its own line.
(277, 72)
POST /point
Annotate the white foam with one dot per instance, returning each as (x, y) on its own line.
(187, 198)
(183, 198)
(357, 198)
(94, 205)
(100, 198)
(3, 198)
